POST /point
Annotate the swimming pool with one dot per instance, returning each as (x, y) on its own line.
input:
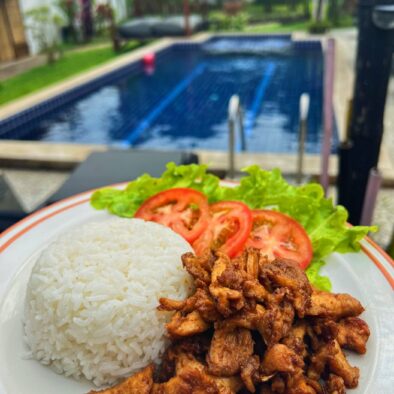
(183, 103)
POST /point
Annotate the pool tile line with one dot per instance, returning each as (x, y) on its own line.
(153, 115)
(251, 114)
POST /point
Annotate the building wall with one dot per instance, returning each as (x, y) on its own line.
(12, 35)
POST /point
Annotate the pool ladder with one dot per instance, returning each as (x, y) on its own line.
(235, 116)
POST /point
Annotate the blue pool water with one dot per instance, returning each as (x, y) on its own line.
(183, 103)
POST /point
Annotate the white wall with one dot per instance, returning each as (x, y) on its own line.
(25, 5)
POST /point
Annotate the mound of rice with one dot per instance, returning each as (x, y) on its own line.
(91, 299)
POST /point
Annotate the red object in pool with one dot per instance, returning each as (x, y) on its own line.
(149, 59)
(149, 63)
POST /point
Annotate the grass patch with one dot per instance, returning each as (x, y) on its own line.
(276, 27)
(71, 63)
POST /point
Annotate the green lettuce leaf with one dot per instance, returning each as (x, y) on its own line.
(319, 281)
(325, 223)
(125, 202)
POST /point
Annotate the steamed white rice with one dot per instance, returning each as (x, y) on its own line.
(91, 300)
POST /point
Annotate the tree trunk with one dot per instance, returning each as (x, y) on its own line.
(334, 12)
(292, 4)
(87, 20)
(307, 12)
(267, 4)
(319, 10)
(137, 8)
(186, 15)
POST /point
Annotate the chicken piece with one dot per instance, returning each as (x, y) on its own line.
(189, 381)
(247, 318)
(229, 385)
(139, 383)
(315, 384)
(252, 260)
(294, 340)
(335, 306)
(331, 354)
(298, 384)
(250, 372)
(230, 348)
(254, 289)
(324, 329)
(183, 326)
(186, 306)
(335, 385)
(225, 385)
(186, 360)
(195, 346)
(319, 359)
(278, 384)
(353, 334)
(199, 267)
(230, 273)
(279, 358)
(340, 366)
(205, 305)
(286, 273)
(276, 323)
(227, 300)
(201, 301)
(266, 389)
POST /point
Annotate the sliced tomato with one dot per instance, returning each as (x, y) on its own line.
(278, 235)
(228, 230)
(186, 211)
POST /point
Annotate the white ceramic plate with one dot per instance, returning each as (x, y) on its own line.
(367, 275)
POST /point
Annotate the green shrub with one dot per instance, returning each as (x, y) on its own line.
(44, 23)
(219, 21)
(319, 27)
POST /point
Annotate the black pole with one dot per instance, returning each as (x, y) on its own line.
(374, 53)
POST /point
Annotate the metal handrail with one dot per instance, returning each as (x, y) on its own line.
(304, 110)
(235, 114)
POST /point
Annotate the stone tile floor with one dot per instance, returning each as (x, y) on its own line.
(33, 187)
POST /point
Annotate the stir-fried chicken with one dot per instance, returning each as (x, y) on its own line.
(286, 274)
(183, 326)
(298, 384)
(279, 358)
(295, 339)
(254, 326)
(335, 385)
(330, 355)
(230, 348)
(141, 383)
(353, 334)
(250, 372)
(189, 381)
(334, 306)
(276, 323)
(340, 366)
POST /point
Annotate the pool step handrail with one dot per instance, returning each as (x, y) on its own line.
(304, 110)
(235, 115)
